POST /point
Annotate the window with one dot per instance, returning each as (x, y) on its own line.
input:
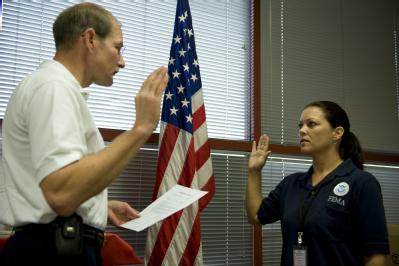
(26, 40)
(224, 57)
(331, 50)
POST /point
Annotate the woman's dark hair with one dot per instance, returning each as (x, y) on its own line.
(337, 117)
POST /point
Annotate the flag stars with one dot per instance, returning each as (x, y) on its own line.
(185, 103)
(193, 77)
(195, 63)
(190, 32)
(173, 111)
(186, 67)
(182, 52)
(176, 74)
(189, 119)
(183, 17)
(171, 61)
(180, 89)
(188, 46)
(169, 95)
(177, 39)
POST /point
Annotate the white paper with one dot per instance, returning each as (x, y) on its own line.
(175, 199)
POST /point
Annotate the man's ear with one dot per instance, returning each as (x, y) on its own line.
(89, 38)
(338, 133)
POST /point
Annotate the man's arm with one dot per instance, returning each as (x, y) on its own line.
(67, 188)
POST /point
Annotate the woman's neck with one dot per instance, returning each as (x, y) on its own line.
(323, 165)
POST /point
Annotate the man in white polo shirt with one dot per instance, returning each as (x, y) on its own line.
(56, 169)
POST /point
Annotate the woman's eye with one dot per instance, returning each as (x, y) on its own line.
(311, 124)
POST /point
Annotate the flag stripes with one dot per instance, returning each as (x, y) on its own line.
(184, 152)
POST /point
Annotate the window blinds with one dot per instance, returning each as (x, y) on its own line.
(341, 51)
(222, 35)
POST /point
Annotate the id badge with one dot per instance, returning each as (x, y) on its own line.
(300, 256)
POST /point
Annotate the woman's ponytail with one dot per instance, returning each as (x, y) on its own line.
(350, 148)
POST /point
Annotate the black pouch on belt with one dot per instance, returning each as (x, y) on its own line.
(69, 235)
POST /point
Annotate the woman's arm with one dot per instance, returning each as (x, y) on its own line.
(257, 159)
(375, 260)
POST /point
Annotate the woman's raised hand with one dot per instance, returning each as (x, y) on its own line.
(259, 153)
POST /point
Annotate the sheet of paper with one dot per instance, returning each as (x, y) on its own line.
(173, 200)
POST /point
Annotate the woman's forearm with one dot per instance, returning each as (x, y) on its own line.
(253, 196)
(375, 260)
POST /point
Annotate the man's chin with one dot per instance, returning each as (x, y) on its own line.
(105, 83)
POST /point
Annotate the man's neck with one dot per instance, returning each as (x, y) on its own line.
(71, 60)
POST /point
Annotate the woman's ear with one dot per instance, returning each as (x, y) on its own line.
(338, 133)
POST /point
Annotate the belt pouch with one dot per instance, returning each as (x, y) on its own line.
(69, 235)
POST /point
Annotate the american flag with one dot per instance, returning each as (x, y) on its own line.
(184, 152)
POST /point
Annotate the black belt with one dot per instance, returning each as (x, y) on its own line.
(89, 232)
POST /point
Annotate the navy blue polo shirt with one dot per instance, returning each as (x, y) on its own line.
(345, 220)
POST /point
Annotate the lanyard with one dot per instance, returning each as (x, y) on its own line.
(299, 252)
(303, 211)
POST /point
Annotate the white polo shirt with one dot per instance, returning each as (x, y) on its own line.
(47, 126)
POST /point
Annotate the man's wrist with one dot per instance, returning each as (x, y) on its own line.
(141, 132)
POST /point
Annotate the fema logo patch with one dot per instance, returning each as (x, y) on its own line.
(341, 189)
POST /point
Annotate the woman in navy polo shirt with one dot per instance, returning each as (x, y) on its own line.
(331, 215)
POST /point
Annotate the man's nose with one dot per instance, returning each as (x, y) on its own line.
(121, 62)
